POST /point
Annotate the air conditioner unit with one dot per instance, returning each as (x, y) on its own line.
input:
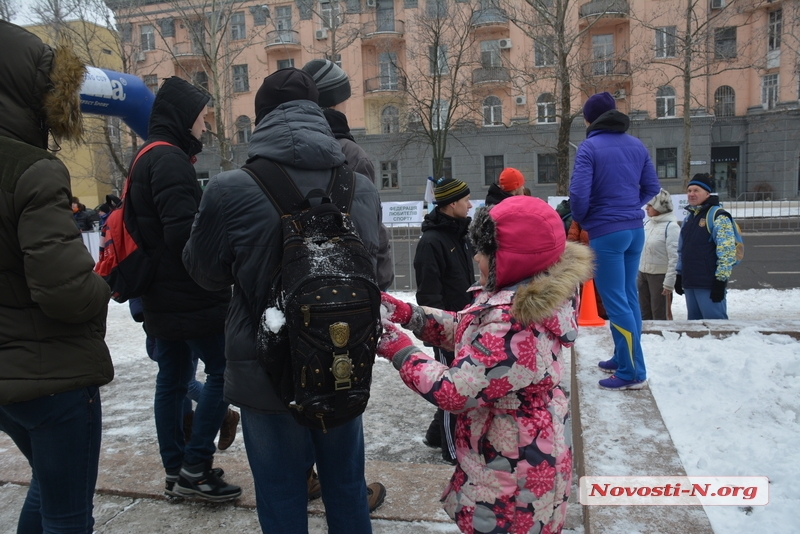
(141, 56)
(717, 4)
(320, 35)
(620, 94)
(504, 44)
(372, 3)
(520, 100)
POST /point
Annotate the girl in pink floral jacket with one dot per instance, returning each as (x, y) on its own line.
(513, 444)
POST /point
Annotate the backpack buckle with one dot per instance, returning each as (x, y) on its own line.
(341, 369)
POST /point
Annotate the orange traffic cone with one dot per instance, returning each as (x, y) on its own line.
(588, 313)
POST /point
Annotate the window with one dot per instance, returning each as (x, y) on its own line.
(148, 37)
(665, 41)
(238, 30)
(667, 162)
(113, 123)
(285, 64)
(492, 167)
(439, 114)
(603, 54)
(260, 15)
(331, 14)
(548, 168)
(241, 82)
(724, 102)
(167, 27)
(201, 79)
(447, 168)
(769, 91)
(244, 129)
(283, 23)
(387, 63)
(546, 108)
(438, 59)
(544, 51)
(490, 54)
(665, 102)
(151, 81)
(126, 31)
(492, 111)
(208, 138)
(336, 59)
(390, 120)
(197, 32)
(202, 178)
(436, 9)
(725, 43)
(775, 28)
(389, 175)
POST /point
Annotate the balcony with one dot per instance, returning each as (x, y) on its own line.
(490, 75)
(383, 29)
(604, 9)
(381, 84)
(189, 56)
(607, 68)
(489, 18)
(282, 38)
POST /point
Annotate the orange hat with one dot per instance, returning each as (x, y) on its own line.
(511, 179)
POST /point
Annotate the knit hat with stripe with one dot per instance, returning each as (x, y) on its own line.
(449, 190)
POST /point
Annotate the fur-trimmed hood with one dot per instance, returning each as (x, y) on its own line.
(539, 297)
(40, 89)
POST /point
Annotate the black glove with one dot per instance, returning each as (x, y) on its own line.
(678, 284)
(718, 290)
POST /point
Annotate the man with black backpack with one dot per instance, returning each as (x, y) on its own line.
(183, 318)
(240, 238)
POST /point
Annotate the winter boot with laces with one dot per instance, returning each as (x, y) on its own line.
(227, 432)
(201, 481)
(172, 479)
(376, 493)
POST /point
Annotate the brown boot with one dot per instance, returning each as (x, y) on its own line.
(314, 489)
(227, 432)
(376, 493)
(187, 426)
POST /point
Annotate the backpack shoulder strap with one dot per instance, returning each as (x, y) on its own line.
(145, 149)
(666, 229)
(283, 194)
(343, 188)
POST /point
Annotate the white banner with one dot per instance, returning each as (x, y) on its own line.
(403, 213)
(475, 205)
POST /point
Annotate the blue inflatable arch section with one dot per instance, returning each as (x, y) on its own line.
(116, 94)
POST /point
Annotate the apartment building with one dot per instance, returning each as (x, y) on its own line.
(501, 67)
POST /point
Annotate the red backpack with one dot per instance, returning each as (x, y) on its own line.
(123, 263)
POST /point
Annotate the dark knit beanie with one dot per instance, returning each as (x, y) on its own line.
(597, 105)
(703, 180)
(283, 86)
(449, 190)
(338, 123)
(331, 80)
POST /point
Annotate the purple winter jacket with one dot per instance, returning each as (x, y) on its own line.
(612, 179)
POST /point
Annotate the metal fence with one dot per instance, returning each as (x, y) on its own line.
(751, 215)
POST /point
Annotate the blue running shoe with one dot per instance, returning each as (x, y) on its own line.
(613, 382)
(608, 366)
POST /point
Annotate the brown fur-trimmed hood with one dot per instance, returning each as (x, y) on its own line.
(40, 89)
(544, 293)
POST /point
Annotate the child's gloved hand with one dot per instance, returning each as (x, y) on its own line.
(397, 311)
(392, 341)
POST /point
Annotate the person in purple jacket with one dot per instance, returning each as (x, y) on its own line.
(612, 179)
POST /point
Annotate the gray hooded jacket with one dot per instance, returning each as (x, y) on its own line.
(236, 238)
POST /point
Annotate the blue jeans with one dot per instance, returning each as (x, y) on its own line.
(700, 306)
(60, 436)
(615, 277)
(195, 386)
(175, 370)
(277, 449)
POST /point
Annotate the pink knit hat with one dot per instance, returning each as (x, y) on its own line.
(522, 236)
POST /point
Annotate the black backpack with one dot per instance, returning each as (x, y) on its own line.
(319, 361)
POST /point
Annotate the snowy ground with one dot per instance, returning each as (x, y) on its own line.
(731, 405)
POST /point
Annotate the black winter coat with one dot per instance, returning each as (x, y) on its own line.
(165, 196)
(495, 195)
(443, 263)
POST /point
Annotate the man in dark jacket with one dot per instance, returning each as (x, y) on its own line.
(236, 239)
(444, 270)
(181, 316)
(510, 183)
(53, 356)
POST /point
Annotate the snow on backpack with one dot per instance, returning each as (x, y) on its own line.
(123, 263)
(320, 361)
(711, 216)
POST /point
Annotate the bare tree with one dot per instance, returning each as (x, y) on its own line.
(339, 22)
(8, 9)
(206, 53)
(438, 70)
(692, 45)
